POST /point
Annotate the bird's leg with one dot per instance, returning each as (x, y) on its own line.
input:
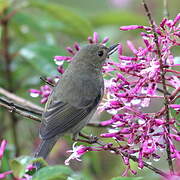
(91, 138)
(88, 139)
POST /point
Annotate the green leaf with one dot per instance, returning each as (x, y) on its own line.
(3, 5)
(19, 165)
(53, 173)
(40, 56)
(127, 178)
(74, 23)
(24, 22)
(117, 18)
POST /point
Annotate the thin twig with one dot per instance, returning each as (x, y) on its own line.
(23, 113)
(166, 10)
(47, 82)
(20, 100)
(166, 101)
(31, 113)
(7, 17)
(19, 107)
(92, 140)
(9, 76)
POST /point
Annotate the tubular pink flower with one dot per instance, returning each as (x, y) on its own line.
(44, 100)
(163, 23)
(105, 40)
(119, 50)
(76, 46)
(176, 19)
(175, 137)
(70, 50)
(108, 135)
(175, 106)
(131, 47)
(62, 58)
(2, 148)
(128, 58)
(95, 37)
(77, 152)
(60, 69)
(4, 174)
(133, 27)
(90, 40)
(106, 123)
(140, 161)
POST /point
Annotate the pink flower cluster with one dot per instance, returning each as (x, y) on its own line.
(135, 84)
(135, 81)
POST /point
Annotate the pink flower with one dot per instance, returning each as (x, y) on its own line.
(77, 152)
(4, 174)
(175, 106)
(132, 27)
(62, 58)
(2, 148)
(95, 37)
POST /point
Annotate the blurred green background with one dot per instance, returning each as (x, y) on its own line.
(41, 29)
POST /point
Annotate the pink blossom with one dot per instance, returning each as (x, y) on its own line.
(131, 47)
(127, 58)
(76, 46)
(60, 69)
(95, 37)
(2, 148)
(62, 58)
(132, 27)
(4, 174)
(175, 106)
(120, 50)
(105, 40)
(77, 152)
(132, 82)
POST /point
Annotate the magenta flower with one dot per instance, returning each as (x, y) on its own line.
(132, 27)
(3, 175)
(77, 152)
(44, 92)
(131, 84)
(2, 148)
(175, 106)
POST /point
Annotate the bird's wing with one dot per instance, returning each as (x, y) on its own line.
(60, 117)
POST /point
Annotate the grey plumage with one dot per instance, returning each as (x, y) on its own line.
(75, 98)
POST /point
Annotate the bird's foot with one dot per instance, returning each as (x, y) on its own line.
(88, 139)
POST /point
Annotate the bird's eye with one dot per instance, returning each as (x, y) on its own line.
(100, 53)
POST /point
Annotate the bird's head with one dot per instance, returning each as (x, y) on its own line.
(95, 54)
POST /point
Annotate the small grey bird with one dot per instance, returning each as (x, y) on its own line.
(75, 98)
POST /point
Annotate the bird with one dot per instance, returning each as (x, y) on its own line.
(75, 98)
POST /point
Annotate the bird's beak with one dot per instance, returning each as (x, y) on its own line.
(112, 49)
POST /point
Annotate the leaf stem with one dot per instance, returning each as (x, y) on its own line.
(165, 92)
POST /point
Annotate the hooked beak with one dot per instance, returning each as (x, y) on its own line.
(112, 49)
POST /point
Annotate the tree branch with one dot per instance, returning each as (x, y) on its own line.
(165, 93)
(92, 140)
(29, 110)
(20, 100)
(166, 10)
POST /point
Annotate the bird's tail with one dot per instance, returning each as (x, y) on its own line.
(44, 149)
